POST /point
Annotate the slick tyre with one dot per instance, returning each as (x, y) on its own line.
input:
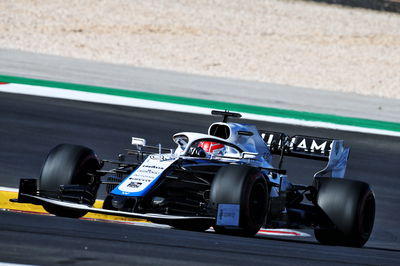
(68, 164)
(246, 187)
(347, 212)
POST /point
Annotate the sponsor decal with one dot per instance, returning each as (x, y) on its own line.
(134, 184)
(299, 143)
(228, 214)
(313, 145)
(163, 157)
(142, 178)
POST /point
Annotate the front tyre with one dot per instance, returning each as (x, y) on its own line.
(347, 212)
(244, 186)
(69, 166)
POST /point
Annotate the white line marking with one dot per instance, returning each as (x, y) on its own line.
(8, 189)
(262, 232)
(133, 102)
(14, 264)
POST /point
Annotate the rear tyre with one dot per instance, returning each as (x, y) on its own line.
(245, 186)
(67, 165)
(347, 212)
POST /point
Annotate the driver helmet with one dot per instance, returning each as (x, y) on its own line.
(213, 148)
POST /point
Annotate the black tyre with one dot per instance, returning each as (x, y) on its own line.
(347, 212)
(246, 186)
(66, 165)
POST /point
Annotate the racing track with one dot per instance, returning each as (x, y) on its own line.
(30, 126)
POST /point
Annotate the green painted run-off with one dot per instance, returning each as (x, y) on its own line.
(259, 110)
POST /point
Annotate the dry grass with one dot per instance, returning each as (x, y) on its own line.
(286, 42)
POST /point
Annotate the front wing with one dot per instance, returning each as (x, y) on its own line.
(154, 217)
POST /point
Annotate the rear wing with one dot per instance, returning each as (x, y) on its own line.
(308, 147)
(298, 146)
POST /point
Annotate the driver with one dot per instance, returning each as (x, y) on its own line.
(213, 148)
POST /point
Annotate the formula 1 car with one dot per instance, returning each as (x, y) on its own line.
(224, 179)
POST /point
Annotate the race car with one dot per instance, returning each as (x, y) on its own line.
(225, 179)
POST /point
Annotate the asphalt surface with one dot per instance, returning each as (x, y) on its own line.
(54, 240)
(30, 126)
(58, 68)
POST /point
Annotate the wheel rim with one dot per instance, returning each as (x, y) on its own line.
(257, 202)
